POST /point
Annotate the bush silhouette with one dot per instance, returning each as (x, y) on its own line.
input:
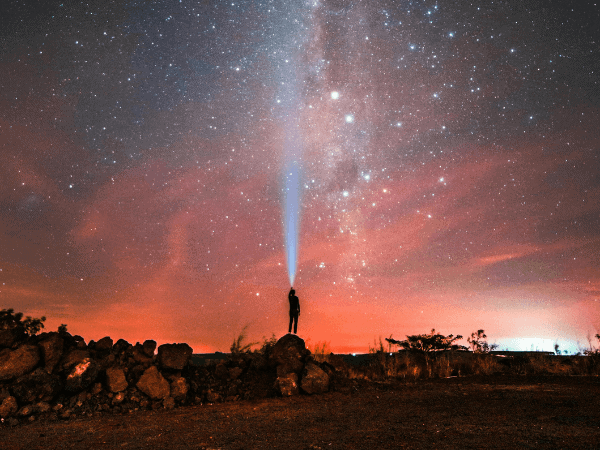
(426, 343)
(479, 344)
(10, 320)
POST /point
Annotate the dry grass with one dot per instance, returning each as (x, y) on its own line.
(412, 366)
(320, 350)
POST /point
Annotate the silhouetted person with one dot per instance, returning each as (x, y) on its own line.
(294, 310)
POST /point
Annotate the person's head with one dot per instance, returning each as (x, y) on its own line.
(292, 292)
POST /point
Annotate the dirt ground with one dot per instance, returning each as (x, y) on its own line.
(478, 412)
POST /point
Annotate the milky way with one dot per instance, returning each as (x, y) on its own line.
(447, 157)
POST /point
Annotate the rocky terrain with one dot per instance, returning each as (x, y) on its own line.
(57, 392)
(498, 411)
(55, 376)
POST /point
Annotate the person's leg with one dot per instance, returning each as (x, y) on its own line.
(296, 323)
(291, 320)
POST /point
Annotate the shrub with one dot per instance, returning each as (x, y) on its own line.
(320, 350)
(267, 346)
(426, 343)
(479, 344)
(239, 346)
(9, 320)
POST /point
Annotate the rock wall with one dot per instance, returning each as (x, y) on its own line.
(58, 376)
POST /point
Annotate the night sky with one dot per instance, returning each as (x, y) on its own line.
(448, 156)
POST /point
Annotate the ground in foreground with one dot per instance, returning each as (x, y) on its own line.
(490, 412)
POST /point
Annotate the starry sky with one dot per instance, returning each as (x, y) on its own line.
(448, 157)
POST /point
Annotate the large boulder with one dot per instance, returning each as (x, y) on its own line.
(149, 346)
(72, 358)
(287, 385)
(36, 386)
(174, 356)
(115, 379)
(104, 345)
(121, 346)
(140, 356)
(179, 389)
(289, 354)
(15, 363)
(153, 384)
(314, 379)
(81, 371)
(79, 342)
(51, 348)
(9, 407)
(11, 336)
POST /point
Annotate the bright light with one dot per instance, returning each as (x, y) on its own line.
(335, 95)
(349, 118)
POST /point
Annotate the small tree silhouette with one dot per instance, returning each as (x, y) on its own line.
(426, 343)
(479, 344)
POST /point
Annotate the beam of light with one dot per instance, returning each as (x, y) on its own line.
(292, 217)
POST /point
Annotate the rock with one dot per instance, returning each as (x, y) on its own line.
(174, 356)
(314, 379)
(25, 411)
(10, 337)
(153, 384)
(121, 346)
(287, 385)
(289, 352)
(140, 356)
(212, 397)
(41, 407)
(81, 398)
(15, 363)
(104, 345)
(82, 375)
(169, 403)
(133, 375)
(8, 407)
(235, 372)
(3, 393)
(117, 399)
(221, 372)
(72, 358)
(232, 390)
(115, 380)
(149, 346)
(79, 342)
(51, 348)
(37, 386)
(179, 389)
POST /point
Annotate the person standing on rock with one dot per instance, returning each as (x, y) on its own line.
(294, 310)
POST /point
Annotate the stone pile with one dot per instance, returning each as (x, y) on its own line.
(58, 376)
